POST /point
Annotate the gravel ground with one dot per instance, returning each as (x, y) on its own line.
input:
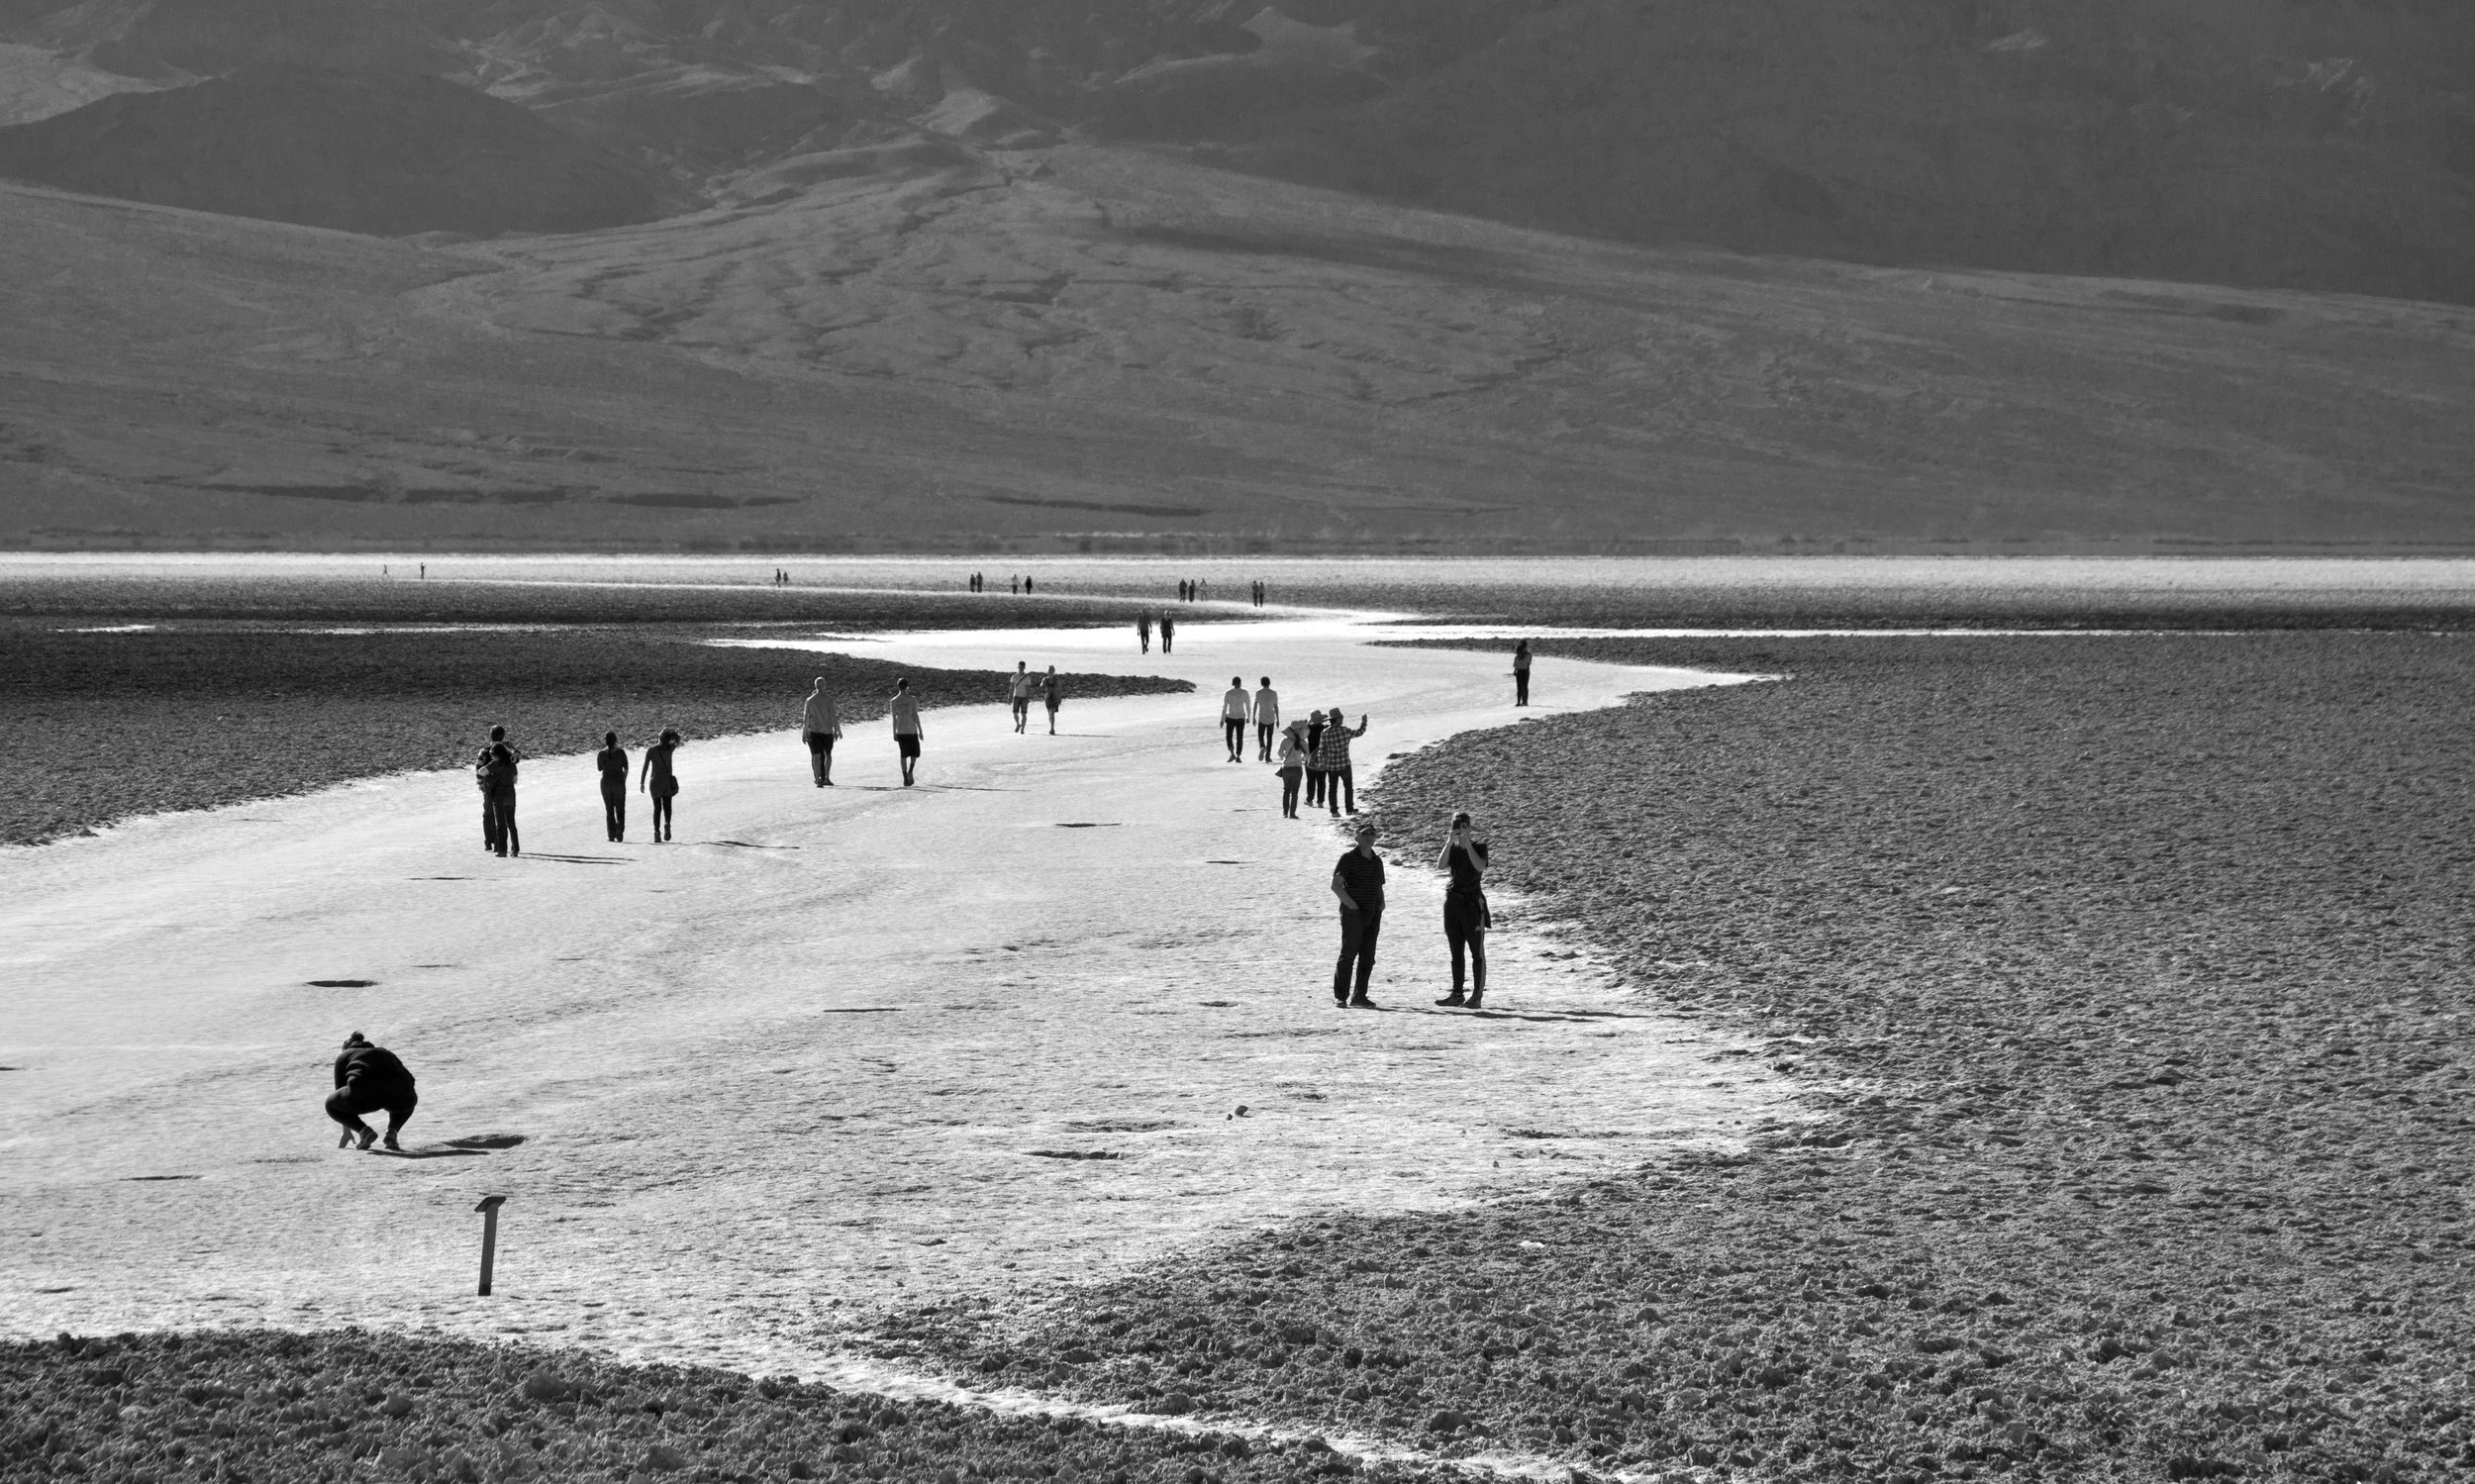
(2130, 978)
(277, 1408)
(113, 725)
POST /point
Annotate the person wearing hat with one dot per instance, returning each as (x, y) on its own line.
(1358, 881)
(1292, 766)
(368, 1078)
(1465, 915)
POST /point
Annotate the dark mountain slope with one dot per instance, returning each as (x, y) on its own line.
(363, 151)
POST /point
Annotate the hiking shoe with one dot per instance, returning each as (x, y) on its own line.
(1472, 1003)
(390, 1142)
(1361, 1002)
(368, 1136)
(1454, 1000)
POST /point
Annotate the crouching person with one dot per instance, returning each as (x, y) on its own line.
(368, 1078)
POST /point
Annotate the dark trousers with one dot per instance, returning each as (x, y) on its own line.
(1338, 781)
(1316, 779)
(1465, 929)
(1289, 792)
(1234, 733)
(489, 822)
(502, 805)
(1358, 931)
(615, 807)
(1521, 687)
(349, 1101)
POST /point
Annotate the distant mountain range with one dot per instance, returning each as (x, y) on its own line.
(2295, 144)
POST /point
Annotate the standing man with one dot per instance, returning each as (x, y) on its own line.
(1143, 628)
(1521, 674)
(1236, 704)
(1168, 632)
(1049, 696)
(1358, 881)
(821, 725)
(904, 712)
(1267, 720)
(1339, 776)
(1020, 687)
(368, 1078)
(1465, 915)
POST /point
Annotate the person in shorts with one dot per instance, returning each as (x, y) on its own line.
(903, 711)
(821, 726)
(1019, 688)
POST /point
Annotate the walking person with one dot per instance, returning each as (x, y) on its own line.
(1168, 632)
(1358, 881)
(1142, 629)
(1315, 779)
(1267, 720)
(1339, 777)
(821, 727)
(1521, 674)
(612, 760)
(657, 779)
(368, 1078)
(1049, 696)
(1235, 705)
(1019, 688)
(1292, 766)
(498, 792)
(1465, 915)
(903, 711)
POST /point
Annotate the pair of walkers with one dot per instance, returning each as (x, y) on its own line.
(1239, 709)
(657, 779)
(1357, 880)
(1022, 687)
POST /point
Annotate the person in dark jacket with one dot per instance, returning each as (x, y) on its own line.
(498, 793)
(368, 1078)
(490, 839)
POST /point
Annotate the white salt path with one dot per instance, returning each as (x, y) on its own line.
(804, 1062)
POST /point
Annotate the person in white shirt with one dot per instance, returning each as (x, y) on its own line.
(1267, 720)
(904, 713)
(1020, 684)
(1235, 705)
(821, 726)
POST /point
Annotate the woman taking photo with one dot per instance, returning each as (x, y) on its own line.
(1465, 915)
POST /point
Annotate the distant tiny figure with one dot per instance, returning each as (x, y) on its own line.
(1267, 720)
(1465, 915)
(1236, 704)
(424, 571)
(499, 763)
(657, 779)
(368, 1078)
(1015, 583)
(1521, 674)
(1181, 589)
(1358, 881)
(821, 727)
(904, 712)
(1316, 781)
(1049, 696)
(1292, 768)
(1019, 688)
(1168, 633)
(1027, 583)
(1142, 629)
(612, 760)
(1340, 778)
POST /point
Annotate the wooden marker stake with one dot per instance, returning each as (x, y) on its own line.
(489, 1237)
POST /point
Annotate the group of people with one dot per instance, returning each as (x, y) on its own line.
(1357, 880)
(1313, 749)
(495, 769)
(1018, 585)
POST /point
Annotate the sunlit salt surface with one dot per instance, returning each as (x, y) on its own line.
(820, 1056)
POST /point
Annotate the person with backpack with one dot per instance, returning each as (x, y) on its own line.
(612, 760)
(368, 1078)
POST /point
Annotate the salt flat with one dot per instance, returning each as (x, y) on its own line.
(799, 1064)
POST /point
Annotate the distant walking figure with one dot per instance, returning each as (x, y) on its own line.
(368, 1078)
(1168, 632)
(498, 793)
(1019, 688)
(657, 779)
(1521, 674)
(1465, 915)
(1235, 706)
(1142, 629)
(1027, 582)
(904, 712)
(1339, 777)
(1049, 696)
(1267, 720)
(1316, 779)
(612, 759)
(1358, 881)
(821, 726)
(1292, 766)
(1015, 584)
